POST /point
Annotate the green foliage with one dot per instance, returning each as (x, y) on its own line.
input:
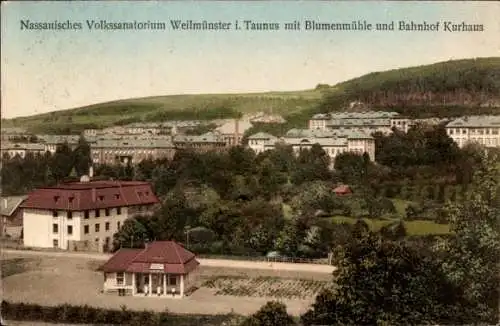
(421, 91)
(69, 314)
(271, 314)
(471, 259)
(408, 288)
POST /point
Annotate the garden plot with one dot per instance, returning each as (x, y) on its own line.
(263, 286)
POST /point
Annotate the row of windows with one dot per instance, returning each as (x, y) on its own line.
(97, 227)
(69, 228)
(478, 131)
(86, 214)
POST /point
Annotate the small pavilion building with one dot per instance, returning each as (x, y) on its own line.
(162, 269)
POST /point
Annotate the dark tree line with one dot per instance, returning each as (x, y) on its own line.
(20, 175)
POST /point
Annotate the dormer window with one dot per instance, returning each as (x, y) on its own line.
(56, 198)
(70, 199)
(101, 197)
(117, 196)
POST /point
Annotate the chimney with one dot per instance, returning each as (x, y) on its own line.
(5, 202)
(91, 172)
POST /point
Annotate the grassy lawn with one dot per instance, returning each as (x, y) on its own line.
(418, 227)
(16, 266)
(400, 206)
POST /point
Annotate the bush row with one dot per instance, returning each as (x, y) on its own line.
(90, 315)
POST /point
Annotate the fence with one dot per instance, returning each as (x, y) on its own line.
(18, 244)
(294, 260)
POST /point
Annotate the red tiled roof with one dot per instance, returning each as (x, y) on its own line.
(342, 189)
(78, 196)
(174, 258)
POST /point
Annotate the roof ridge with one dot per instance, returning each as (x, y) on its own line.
(177, 251)
(139, 251)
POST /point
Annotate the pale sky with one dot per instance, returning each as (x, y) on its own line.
(43, 70)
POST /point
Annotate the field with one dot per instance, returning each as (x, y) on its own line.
(412, 227)
(262, 286)
(217, 290)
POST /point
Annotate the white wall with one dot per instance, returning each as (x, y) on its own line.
(37, 228)
(100, 236)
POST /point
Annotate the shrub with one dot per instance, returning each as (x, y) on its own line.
(89, 315)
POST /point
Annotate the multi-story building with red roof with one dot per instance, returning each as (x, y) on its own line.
(83, 215)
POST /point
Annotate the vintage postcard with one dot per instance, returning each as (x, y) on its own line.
(250, 163)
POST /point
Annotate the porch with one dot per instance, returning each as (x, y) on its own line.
(154, 284)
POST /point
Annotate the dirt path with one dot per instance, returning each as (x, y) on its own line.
(238, 264)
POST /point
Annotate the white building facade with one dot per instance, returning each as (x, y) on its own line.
(482, 130)
(82, 216)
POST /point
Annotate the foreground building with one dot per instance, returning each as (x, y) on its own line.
(83, 215)
(482, 130)
(163, 268)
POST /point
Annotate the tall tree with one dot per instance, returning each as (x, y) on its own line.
(62, 162)
(82, 157)
(472, 254)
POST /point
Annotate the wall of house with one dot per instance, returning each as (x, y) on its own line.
(257, 145)
(100, 237)
(37, 226)
(489, 137)
(110, 282)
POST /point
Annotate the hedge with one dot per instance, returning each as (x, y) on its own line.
(90, 315)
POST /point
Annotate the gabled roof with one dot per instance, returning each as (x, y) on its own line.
(160, 256)
(476, 121)
(79, 196)
(10, 204)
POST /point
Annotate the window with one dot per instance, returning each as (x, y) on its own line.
(70, 199)
(86, 214)
(56, 198)
(54, 214)
(97, 227)
(101, 197)
(55, 243)
(70, 215)
(55, 228)
(106, 226)
(117, 196)
(97, 213)
(70, 229)
(106, 211)
(119, 278)
(86, 229)
(118, 211)
(172, 280)
(118, 225)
